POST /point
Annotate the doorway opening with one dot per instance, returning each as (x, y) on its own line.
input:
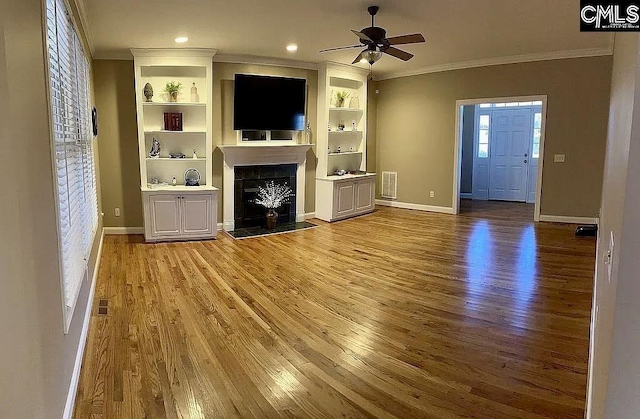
(499, 149)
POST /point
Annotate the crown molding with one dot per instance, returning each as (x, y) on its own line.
(258, 60)
(546, 56)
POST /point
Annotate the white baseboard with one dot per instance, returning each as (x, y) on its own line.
(112, 231)
(309, 215)
(75, 376)
(568, 220)
(466, 195)
(419, 207)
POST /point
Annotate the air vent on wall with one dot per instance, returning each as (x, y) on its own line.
(389, 185)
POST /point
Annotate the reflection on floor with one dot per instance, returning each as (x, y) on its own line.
(497, 209)
(398, 314)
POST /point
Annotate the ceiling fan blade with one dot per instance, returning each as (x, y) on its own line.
(398, 53)
(339, 48)
(363, 37)
(406, 39)
(359, 57)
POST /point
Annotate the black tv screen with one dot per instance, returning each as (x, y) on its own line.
(268, 103)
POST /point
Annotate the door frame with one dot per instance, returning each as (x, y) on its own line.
(457, 153)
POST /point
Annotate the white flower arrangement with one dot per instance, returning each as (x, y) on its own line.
(273, 196)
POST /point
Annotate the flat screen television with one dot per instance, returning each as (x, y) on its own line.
(268, 103)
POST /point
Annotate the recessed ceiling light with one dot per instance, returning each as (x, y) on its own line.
(292, 47)
(181, 39)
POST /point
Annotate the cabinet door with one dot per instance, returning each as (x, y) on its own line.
(365, 195)
(164, 215)
(343, 199)
(197, 216)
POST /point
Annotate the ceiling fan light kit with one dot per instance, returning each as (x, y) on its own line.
(376, 43)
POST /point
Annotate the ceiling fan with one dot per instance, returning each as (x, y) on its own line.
(376, 43)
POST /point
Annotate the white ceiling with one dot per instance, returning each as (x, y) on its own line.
(457, 31)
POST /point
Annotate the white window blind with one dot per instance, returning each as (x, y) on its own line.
(72, 142)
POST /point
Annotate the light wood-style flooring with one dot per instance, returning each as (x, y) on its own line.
(398, 314)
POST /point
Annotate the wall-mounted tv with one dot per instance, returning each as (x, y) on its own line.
(268, 103)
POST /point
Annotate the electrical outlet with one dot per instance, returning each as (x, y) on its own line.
(432, 194)
(558, 158)
(117, 212)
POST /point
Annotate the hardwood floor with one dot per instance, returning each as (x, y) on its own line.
(398, 314)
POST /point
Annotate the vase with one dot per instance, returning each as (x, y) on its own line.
(148, 92)
(339, 102)
(272, 217)
(173, 96)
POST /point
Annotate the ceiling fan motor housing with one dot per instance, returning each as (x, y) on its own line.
(375, 33)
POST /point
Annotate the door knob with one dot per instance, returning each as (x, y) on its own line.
(525, 161)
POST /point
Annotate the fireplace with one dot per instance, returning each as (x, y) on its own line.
(246, 183)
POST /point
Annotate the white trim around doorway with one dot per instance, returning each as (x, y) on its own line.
(457, 156)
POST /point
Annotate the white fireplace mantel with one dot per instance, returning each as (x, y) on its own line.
(254, 155)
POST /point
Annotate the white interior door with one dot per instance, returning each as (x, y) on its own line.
(510, 140)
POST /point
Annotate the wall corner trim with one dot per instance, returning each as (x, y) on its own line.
(75, 376)
(418, 207)
(568, 220)
(117, 231)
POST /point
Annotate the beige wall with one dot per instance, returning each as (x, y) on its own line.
(416, 135)
(614, 361)
(36, 357)
(118, 142)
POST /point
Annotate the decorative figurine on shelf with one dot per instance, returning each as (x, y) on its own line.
(341, 126)
(154, 153)
(329, 127)
(354, 103)
(272, 197)
(195, 155)
(353, 125)
(307, 133)
(172, 88)
(148, 92)
(174, 182)
(338, 150)
(195, 98)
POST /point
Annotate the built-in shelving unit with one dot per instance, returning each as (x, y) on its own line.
(342, 144)
(176, 212)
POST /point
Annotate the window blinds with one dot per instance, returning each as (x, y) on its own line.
(72, 143)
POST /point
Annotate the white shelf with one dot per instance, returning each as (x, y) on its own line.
(346, 153)
(175, 132)
(355, 110)
(191, 159)
(345, 132)
(174, 104)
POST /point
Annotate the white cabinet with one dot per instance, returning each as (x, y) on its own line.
(180, 215)
(176, 212)
(164, 213)
(365, 195)
(344, 197)
(197, 219)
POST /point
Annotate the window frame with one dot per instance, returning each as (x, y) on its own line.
(79, 67)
